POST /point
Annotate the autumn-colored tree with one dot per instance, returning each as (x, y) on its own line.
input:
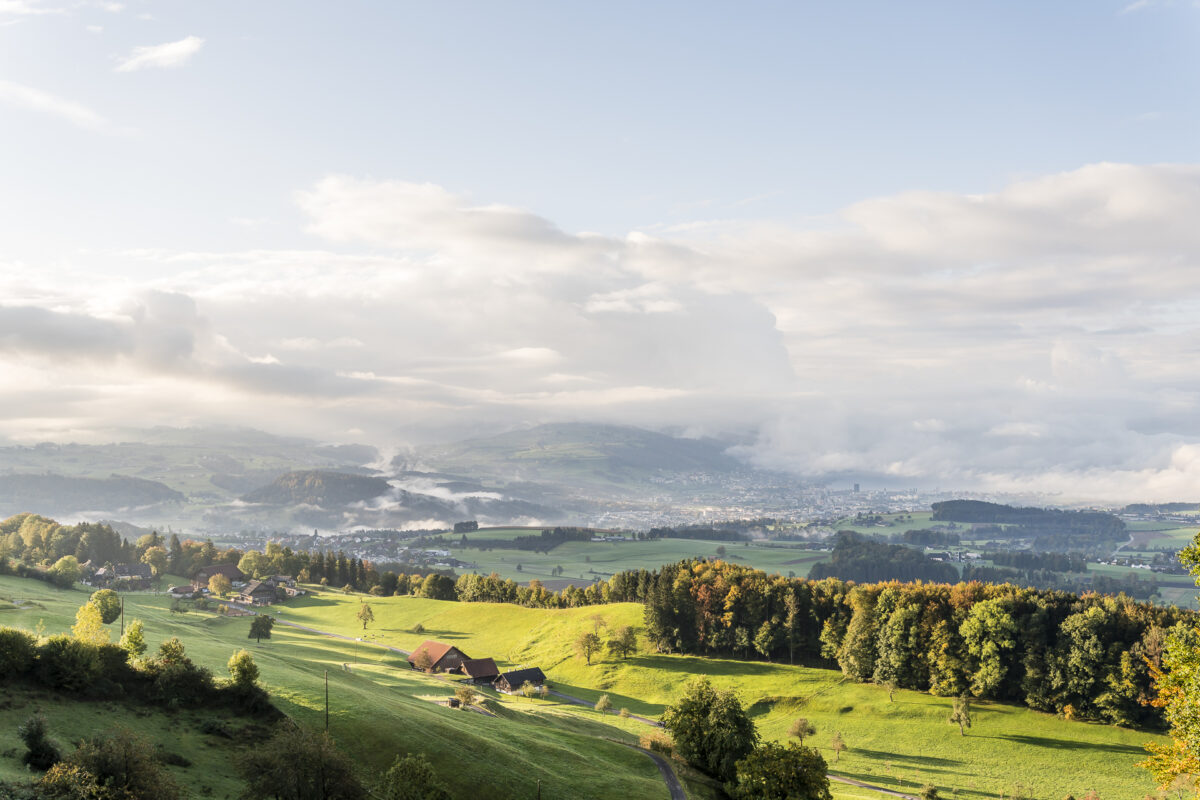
(220, 585)
(838, 745)
(365, 615)
(802, 728)
(89, 625)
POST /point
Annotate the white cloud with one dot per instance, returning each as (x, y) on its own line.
(161, 56)
(32, 99)
(1047, 329)
(23, 8)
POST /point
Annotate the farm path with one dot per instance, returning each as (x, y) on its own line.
(673, 784)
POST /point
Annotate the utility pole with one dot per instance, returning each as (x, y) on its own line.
(539, 797)
(327, 701)
(122, 616)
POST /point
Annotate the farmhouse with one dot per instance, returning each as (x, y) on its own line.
(480, 671)
(124, 577)
(442, 657)
(257, 593)
(511, 682)
(202, 575)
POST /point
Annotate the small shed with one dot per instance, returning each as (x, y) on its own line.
(480, 671)
(511, 682)
(442, 657)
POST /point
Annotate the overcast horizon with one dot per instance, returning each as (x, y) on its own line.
(941, 244)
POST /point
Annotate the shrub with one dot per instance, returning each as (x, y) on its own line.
(216, 727)
(41, 753)
(411, 778)
(624, 713)
(418, 628)
(658, 741)
(124, 764)
(242, 669)
(604, 704)
(183, 683)
(18, 649)
(66, 663)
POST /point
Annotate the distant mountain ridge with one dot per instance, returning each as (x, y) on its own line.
(61, 494)
(567, 453)
(318, 487)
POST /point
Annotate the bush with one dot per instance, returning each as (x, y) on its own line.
(124, 764)
(41, 753)
(624, 713)
(216, 727)
(114, 663)
(658, 741)
(411, 778)
(183, 683)
(18, 649)
(67, 663)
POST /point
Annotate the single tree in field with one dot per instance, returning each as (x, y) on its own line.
(891, 687)
(929, 792)
(587, 645)
(597, 621)
(465, 695)
(219, 585)
(961, 714)
(260, 627)
(604, 704)
(802, 728)
(838, 745)
(623, 641)
(134, 640)
(299, 765)
(411, 778)
(242, 669)
(776, 772)
(365, 615)
(89, 625)
(109, 604)
(157, 559)
(711, 729)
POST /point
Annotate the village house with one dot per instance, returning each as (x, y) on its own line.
(511, 682)
(124, 577)
(480, 671)
(257, 593)
(201, 576)
(442, 657)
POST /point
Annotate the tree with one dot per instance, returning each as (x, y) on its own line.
(89, 625)
(929, 792)
(587, 645)
(242, 669)
(365, 615)
(157, 558)
(465, 695)
(65, 572)
(123, 763)
(801, 728)
(422, 660)
(768, 638)
(528, 689)
(712, 731)
(411, 778)
(220, 585)
(260, 627)
(109, 603)
(41, 753)
(297, 764)
(775, 772)
(623, 641)
(961, 714)
(604, 704)
(134, 640)
(838, 745)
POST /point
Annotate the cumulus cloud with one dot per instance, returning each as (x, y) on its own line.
(1043, 329)
(170, 55)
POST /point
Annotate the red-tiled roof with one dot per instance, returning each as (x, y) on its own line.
(436, 651)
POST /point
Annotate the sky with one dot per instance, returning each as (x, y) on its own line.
(923, 244)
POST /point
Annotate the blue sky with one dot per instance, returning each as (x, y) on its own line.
(934, 242)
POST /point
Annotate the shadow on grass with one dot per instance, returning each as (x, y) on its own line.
(883, 755)
(697, 665)
(636, 706)
(1068, 744)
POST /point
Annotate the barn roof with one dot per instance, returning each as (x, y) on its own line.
(518, 677)
(480, 668)
(436, 651)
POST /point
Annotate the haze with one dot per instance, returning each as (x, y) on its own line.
(936, 243)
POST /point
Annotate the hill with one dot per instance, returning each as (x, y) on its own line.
(572, 453)
(323, 488)
(61, 494)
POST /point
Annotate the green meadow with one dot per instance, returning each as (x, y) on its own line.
(379, 708)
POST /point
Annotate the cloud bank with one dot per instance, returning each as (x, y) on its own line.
(161, 56)
(1037, 337)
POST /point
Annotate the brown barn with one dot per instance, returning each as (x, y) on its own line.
(481, 671)
(257, 593)
(201, 576)
(442, 657)
(511, 682)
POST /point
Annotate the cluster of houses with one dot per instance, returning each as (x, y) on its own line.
(441, 657)
(262, 592)
(120, 577)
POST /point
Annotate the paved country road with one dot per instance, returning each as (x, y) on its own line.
(673, 784)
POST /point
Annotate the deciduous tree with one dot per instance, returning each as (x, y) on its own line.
(587, 645)
(260, 627)
(802, 728)
(775, 772)
(365, 615)
(109, 603)
(89, 625)
(712, 731)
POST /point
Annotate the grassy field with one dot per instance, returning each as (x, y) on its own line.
(900, 744)
(377, 711)
(584, 562)
(380, 708)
